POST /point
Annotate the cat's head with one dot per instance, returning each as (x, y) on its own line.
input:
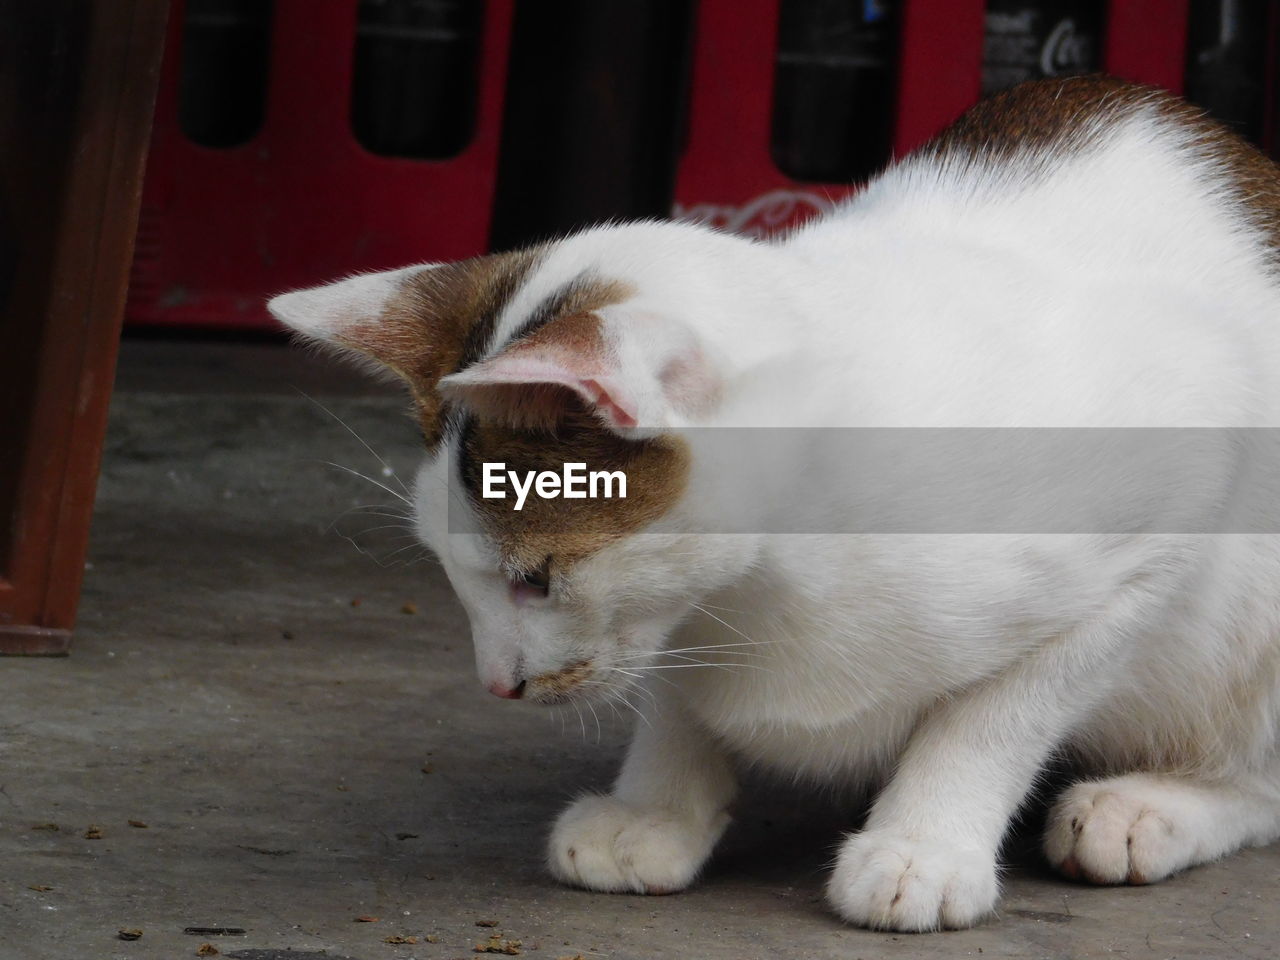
(578, 352)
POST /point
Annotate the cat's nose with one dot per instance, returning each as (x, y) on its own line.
(500, 689)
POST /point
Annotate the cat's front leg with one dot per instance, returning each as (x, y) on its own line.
(926, 858)
(656, 829)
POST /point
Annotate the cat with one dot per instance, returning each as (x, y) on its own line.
(1073, 253)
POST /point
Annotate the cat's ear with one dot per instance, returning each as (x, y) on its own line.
(419, 322)
(357, 315)
(639, 373)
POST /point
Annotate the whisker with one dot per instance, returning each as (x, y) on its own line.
(708, 647)
(679, 656)
(424, 555)
(702, 663)
(622, 699)
(346, 426)
(637, 676)
(620, 695)
(357, 473)
(723, 609)
(637, 711)
(385, 561)
(597, 718)
(736, 643)
(403, 518)
(691, 666)
(359, 549)
(375, 510)
(387, 526)
(724, 623)
(682, 653)
(650, 697)
(406, 521)
(407, 546)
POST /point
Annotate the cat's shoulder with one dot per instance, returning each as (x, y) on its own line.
(1036, 126)
(1056, 114)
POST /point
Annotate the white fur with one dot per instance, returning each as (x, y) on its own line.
(1121, 289)
(322, 312)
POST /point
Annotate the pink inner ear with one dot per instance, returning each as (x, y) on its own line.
(605, 401)
(537, 371)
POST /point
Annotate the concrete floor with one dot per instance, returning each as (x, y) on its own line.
(302, 752)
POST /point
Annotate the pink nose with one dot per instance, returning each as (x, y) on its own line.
(507, 693)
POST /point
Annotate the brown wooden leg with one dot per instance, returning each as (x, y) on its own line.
(77, 90)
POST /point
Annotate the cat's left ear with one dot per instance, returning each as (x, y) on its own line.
(638, 372)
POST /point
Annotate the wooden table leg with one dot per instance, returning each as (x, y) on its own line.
(77, 90)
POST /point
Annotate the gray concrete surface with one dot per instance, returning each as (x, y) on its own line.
(273, 737)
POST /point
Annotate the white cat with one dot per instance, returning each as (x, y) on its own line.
(1076, 253)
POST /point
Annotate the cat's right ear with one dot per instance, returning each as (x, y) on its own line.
(419, 322)
(358, 315)
(399, 321)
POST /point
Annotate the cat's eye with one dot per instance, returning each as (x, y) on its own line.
(538, 580)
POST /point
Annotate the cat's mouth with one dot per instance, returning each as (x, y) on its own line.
(559, 686)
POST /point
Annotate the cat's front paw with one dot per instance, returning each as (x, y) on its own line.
(1124, 830)
(890, 881)
(604, 844)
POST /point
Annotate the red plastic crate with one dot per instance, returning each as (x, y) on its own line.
(302, 202)
(727, 175)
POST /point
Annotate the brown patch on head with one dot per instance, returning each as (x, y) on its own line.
(576, 340)
(443, 320)
(577, 334)
(1033, 124)
(541, 426)
(563, 529)
(440, 321)
(563, 330)
(576, 299)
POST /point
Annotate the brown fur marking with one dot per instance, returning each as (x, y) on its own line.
(1032, 124)
(561, 682)
(543, 426)
(569, 530)
(576, 340)
(440, 321)
(577, 298)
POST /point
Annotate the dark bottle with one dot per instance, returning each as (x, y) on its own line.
(834, 88)
(1026, 39)
(416, 71)
(594, 116)
(1227, 62)
(226, 48)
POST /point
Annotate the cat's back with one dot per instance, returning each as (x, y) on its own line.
(1041, 129)
(1037, 127)
(1092, 250)
(1092, 150)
